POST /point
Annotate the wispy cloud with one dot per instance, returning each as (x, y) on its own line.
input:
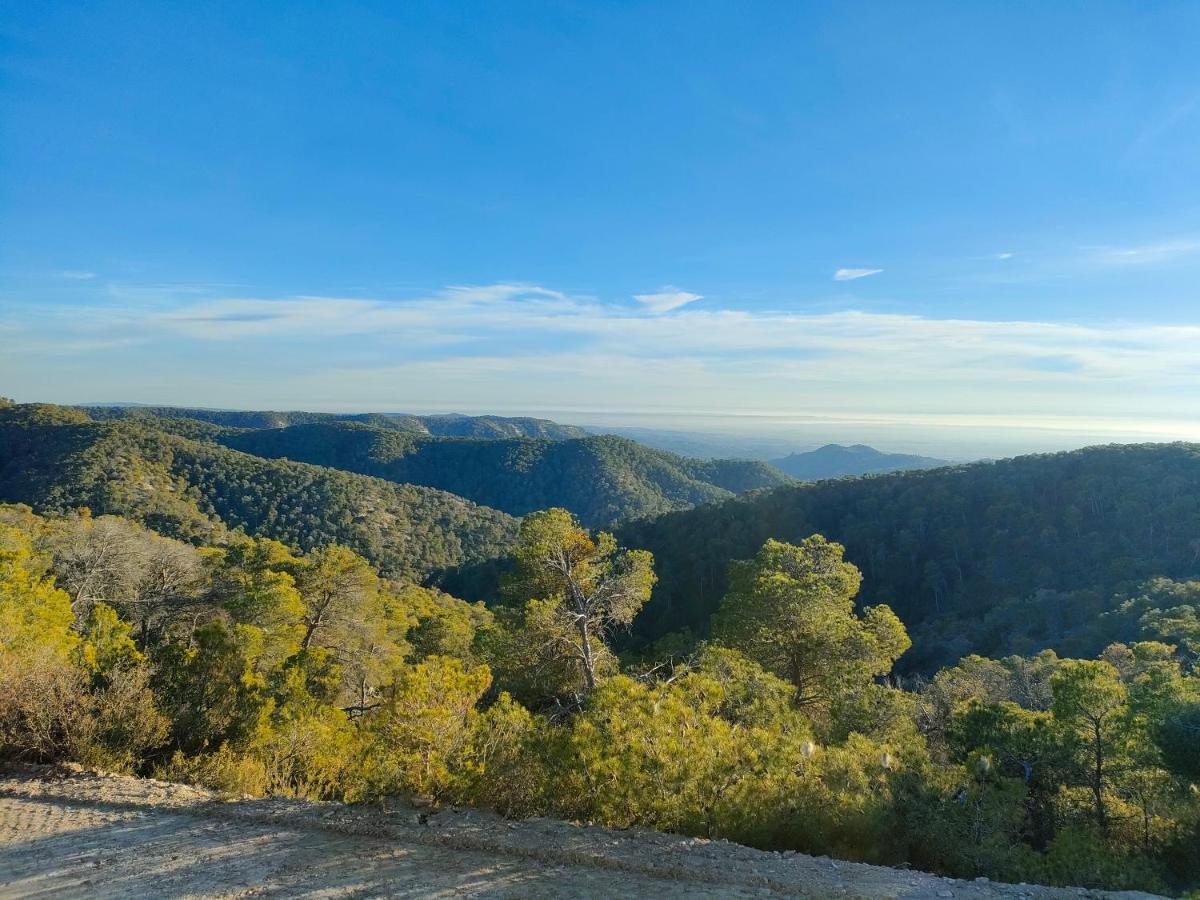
(434, 319)
(1162, 124)
(529, 346)
(1156, 253)
(1004, 255)
(77, 275)
(488, 293)
(666, 299)
(854, 274)
(498, 316)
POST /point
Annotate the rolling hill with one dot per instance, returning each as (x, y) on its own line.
(56, 459)
(1004, 557)
(452, 425)
(602, 479)
(838, 461)
(515, 465)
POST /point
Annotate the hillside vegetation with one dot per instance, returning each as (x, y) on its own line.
(440, 425)
(515, 465)
(56, 460)
(255, 670)
(1050, 551)
(601, 479)
(1006, 557)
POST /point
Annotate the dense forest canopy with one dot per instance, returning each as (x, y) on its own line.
(442, 425)
(264, 625)
(514, 465)
(1006, 557)
(254, 669)
(57, 460)
(1049, 551)
(602, 479)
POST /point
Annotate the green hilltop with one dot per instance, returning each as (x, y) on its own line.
(56, 459)
(602, 479)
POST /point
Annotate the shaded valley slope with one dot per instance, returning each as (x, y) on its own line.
(602, 479)
(1005, 557)
(55, 459)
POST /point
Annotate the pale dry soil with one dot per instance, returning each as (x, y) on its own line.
(65, 833)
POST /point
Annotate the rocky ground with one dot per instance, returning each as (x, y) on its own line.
(66, 833)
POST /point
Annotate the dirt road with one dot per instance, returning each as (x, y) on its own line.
(67, 835)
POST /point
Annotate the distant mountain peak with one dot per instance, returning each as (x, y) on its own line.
(839, 461)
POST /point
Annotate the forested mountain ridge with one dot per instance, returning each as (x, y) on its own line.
(1004, 557)
(515, 465)
(451, 425)
(251, 667)
(838, 461)
(56, 459)
(1007, 557)
(602, 479)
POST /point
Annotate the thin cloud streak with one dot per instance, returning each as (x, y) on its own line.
(530, 347)
(499, 314)
(666, 299)
(1157, 253)
(854, 274)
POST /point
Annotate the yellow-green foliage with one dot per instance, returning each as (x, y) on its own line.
(49, 705)
(40, 683)
(792, 609)
(715, 753)
(440, 625)
(255, 580)
(255, 669)
(576, 587)
(35, 617)
(509, 758)
(107, 644)
(419, 739)
(652, 755)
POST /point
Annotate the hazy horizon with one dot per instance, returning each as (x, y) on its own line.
(774, 435)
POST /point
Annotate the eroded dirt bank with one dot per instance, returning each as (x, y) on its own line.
(74, 834)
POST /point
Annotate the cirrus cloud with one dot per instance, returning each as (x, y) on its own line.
(854, 274)
(666, 299)
(520, 346)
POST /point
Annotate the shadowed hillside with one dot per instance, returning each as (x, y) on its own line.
(601, 479)
(55, 459)
(999, 557)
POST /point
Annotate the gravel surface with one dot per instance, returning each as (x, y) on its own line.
(67, 833)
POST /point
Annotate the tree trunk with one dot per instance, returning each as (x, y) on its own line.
(589, 662)
(1098, 781)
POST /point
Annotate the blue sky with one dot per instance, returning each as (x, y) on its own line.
(949, 218)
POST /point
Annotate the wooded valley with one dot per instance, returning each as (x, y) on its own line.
(989, 669)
